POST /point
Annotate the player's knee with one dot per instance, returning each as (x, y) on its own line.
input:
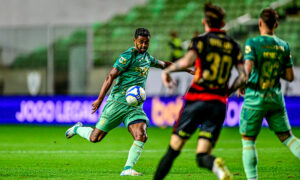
(283, 135)
(205, 160)
(94, 139)
(249, 138)
(141, 137)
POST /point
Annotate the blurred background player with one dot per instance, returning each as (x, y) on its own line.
(214, 54)
(175, 45)
(267, 59)
(131, 69)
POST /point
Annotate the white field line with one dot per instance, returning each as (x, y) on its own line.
(109, 151)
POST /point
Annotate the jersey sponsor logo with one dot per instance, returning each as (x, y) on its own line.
(247, 49)
(143, 71)
(271, 55)
(122, 60)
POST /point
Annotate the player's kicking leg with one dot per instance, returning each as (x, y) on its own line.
(92, 135)
(139, 133)
(292, 142)
(279, 123)
(72, 130)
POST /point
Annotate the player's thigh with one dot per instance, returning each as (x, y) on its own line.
(211, 126)
(278, 120)
(134, 114)
(190, 118)
(251, 121)
(111, 116)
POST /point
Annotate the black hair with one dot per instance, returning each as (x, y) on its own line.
(142, 32)
(269, 16)
(214, 15)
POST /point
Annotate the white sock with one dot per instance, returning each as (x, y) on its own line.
(84, 132)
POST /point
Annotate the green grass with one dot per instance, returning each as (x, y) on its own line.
(35, 152)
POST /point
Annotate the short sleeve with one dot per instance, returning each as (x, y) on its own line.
(193, 45)
(123, 61)
(153, 61)
(288, 61)
(249, 50)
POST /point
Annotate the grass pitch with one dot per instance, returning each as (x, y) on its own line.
(43, 152)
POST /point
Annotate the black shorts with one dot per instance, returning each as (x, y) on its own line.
(209, 114)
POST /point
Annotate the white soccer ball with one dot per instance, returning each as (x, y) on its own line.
(135, 95)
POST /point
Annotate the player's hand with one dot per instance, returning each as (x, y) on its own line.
(96, 104)
(241, 92)
(167, 80)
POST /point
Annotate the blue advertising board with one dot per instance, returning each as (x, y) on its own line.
(161, 111)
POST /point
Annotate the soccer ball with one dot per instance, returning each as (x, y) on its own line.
(135, 95)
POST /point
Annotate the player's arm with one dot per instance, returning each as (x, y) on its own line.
(164, 64)
(112, 75)
(180, 65)
(288, 74)
(241, 79)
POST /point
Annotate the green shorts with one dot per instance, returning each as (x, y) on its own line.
(251, 120)
(114, 113)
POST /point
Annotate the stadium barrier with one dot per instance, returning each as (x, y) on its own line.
(63, 110)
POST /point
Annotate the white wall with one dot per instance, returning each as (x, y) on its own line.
(41, 12)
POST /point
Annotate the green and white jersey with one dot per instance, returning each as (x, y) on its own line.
(271, 56)
(134, 68)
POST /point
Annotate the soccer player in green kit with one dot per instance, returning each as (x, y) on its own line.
(267, 59)
(130, 69)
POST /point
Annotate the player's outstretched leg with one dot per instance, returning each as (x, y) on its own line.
(290, 141)
(250, 159)
(92, 135)
(138, 131)
(72, 130)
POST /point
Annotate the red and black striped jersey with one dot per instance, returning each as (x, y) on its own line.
(216, 55)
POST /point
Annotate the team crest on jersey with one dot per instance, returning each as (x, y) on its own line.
(122, 60)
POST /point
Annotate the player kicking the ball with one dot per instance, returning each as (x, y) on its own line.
(267, 59)
(214, 54)
(130, 69)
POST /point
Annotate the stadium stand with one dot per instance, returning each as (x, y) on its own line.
(160, 17)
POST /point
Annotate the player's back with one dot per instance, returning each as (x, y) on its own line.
(270, 56)
(217, 53)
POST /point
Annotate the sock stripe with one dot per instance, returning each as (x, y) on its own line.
(249, 148)
(137, 145)
(292, 142)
